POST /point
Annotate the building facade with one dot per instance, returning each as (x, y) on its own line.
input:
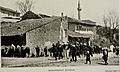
(33, 32)
(82, 31)
(43, 32)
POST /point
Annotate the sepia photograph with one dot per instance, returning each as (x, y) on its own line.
(59, 33)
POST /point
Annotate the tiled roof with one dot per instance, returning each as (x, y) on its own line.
(44, 16)
(30, 15)
(73, 20)
(83, 22)
(10, 18)
(88, 22)
(3, 8)
(10, 29)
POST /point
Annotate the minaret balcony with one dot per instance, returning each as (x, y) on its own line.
(79, 9)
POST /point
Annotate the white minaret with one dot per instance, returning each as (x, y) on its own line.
(79, 9)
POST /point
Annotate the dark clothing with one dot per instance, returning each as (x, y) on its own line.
(117, 51)
(57, 45)
(37, 51)
(2, 52)
(5, 52)
(26, 51)
(105, 56)
(17, 52)
(51, 51)
(41, 54)
(11, 52)
(55, 53)
(60, 50)
(73, 52)
(22, 52)
(63, 46)
(88, 58)
(68, 46)
(78, 50)
(45, 50)
(88, 54)
(74, 57)
(81, 49)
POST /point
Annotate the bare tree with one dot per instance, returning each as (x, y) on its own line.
(111, 21)
(105, 20)
(25, 5)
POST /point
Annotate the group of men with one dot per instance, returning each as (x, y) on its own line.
(58, 51)
(71, 51)
(15, 51)
(40, 52)
(22, 51)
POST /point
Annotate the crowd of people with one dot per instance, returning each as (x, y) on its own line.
(59, 51)
(15, 51)
(68, 50)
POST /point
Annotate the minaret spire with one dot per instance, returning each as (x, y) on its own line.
(79, 9)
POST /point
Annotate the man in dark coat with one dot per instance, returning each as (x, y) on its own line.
(51, 51)
(88, 54)
(81, 49)
(73, 52)
(45, 50)
(55, 51)
(105, 56)
(22, 51)
(17, 51)
(27, 51)
(12, 51)
(60, 50)
(78, 49)
(37, 51)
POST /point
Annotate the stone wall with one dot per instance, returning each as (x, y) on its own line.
(46, 34)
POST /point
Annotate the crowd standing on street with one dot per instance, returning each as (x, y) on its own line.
(59, 51)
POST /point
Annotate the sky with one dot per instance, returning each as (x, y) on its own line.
(91, 9)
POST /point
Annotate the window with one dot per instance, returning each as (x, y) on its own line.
(78, 28)
(83, 29)
(89, 29)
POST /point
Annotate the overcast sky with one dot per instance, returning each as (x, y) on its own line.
(91, 9)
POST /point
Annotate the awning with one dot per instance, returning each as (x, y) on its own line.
(76, 34)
